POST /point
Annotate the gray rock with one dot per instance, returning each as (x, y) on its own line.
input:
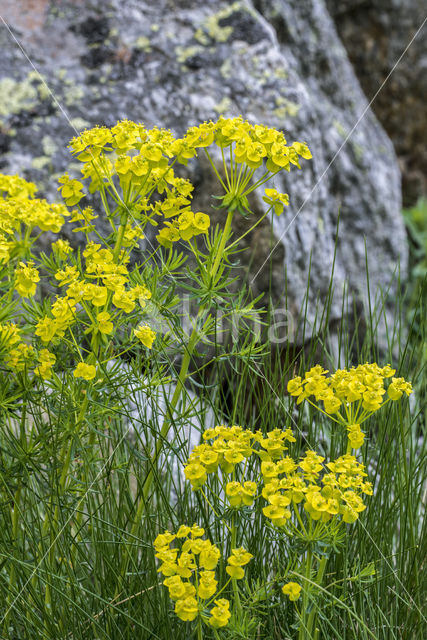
(176, 63)
(375, 34)
(144, 415)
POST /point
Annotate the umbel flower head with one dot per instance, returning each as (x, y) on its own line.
(249, 148)
(349, 396)
(189, 570)
(324, 490)
(139, 161)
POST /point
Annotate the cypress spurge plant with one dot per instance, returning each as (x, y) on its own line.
(83, 323)
(98, 301)
(306, 503)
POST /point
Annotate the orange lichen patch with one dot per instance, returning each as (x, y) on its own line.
(27, 15)
(123, 54)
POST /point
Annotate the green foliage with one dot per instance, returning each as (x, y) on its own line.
(103, 370)
(416, 222)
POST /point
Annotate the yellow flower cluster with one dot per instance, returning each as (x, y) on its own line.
(325, 492)
(229, 447)
(15, 353)
(103, 279)
(16, 187)
(250, 144)
(350, 395)
(20, 213)
(140, 159)
(64, 315)
(189, 572)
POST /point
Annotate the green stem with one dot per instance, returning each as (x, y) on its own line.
(234, 581)
(79, 515)
(225, 170)
(65, 458)
(212, 508)
(12, 574)
(313, 614)
(223, 242)
(298, 515)
(119, 237)
(159, 444)
(233, 244)
(215, 170)
(410, 509)
(265, 178)
(303, 632)
(199, 629)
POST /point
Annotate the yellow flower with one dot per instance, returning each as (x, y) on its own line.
(185, 564)
(123, 300)
(372, 400)
(356, 436)
(332, 403)
(209, 557)
(176, 587)
(201, 223)
(85, 371)
(302, 150)
(196, 474)
(185, 225)
(210, 459)
(277, 514)
(269, 469)
(67, 275)
(398, 387)
(207, 584)
(141, 293)
(145, 334)
(187, 609)
(292, 590)
(277, 201)
(167, 236)
(26, 279)
(196, 531)
(239, 558)
(183, 531)
(46, 360)
(220, 614)
(96, 294)
(62, 248)
(103, 322)
(46, 329)
(248, 492)
(164, 540)
(19, 357)
(71, 190)
(233, 492)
